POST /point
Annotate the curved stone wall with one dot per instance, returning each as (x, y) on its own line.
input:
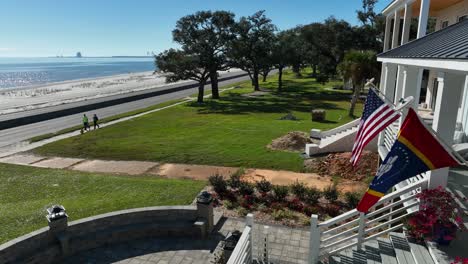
(50, 244)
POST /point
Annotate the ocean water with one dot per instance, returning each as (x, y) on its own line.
(20, 72)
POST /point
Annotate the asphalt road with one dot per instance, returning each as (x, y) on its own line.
(17, 134)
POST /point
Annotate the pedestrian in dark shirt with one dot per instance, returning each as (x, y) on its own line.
(95, 121)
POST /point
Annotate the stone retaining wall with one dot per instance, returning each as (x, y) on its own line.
(51, 244)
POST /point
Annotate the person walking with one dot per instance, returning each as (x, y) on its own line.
(95, 121)
(85, 122)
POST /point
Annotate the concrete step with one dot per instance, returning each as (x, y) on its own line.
(393, 250)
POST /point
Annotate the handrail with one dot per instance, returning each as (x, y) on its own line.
(241, 252)
(336, 130)
(358, 228)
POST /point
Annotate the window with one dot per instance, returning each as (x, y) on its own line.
(444, 24)
(461, 18)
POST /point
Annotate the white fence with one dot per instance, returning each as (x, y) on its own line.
(354, 228)
(243, 252)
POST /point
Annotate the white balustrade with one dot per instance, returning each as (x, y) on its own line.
(354, 228)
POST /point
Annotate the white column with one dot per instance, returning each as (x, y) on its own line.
(423, 18)
(388, 87)
(445, 118)
(396, 29)
(406, 23)
(390, 81)
(412, 78)
(465, 108)
(388, 28)
(399, 85)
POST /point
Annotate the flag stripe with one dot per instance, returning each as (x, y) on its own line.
(375, 193)
(365, 123)
(375, 123)
(416, 151)
(375, 118)
(376, 132)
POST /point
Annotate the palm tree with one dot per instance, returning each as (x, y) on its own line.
(358, 66)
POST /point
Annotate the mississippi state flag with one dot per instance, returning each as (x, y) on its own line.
(415, 151)
(376, 117)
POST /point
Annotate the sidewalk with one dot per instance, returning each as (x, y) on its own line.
(179, 171)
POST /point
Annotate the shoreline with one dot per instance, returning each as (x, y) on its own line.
(43, 85)
(59, 93)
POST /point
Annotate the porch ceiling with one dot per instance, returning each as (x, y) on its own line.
(435, 6)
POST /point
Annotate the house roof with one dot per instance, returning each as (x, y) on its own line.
(448, 43)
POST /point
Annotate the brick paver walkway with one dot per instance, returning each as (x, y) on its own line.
(151, 251)
(286, 246)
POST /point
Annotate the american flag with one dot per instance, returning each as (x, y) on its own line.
(376, 117)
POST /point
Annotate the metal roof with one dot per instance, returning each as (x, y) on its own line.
(448, 43)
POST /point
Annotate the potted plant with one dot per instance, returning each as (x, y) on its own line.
(438, 218)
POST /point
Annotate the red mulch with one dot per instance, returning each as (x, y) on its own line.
(337, 164)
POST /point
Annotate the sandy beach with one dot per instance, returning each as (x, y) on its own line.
(29, 98)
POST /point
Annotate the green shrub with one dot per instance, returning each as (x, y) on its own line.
(263, 186)
(352, 199)
(279, 215)
(235, 178)
(230, 205)
(242, 211)
(246, 188)
(219, 183)
(313, 195)
(331, 193)
(299, 189)
(281, 192)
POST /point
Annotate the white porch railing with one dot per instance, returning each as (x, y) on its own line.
(243, 252)
(339, 129)
(353, 228)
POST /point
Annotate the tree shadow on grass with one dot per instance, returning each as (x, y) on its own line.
(238, 104)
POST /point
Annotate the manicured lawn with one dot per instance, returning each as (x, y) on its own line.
(233, 131)
(25, 193)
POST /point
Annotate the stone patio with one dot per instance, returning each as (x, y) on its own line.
(286, 246)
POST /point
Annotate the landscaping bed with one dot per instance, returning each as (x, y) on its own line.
(274, 204)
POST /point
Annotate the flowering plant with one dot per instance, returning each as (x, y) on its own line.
(460, 260)
(438, 217)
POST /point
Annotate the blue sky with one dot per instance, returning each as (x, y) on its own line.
(30, 28)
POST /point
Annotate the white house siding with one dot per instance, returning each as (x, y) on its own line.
(451, 14)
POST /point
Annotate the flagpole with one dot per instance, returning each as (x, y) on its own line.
(403, 102)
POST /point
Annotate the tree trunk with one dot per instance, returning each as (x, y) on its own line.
(264, 77)
(255, 81)
(314, 72)
(214, 85)
(280, 78)
(297, 70)
(201, 92)
(354, 100)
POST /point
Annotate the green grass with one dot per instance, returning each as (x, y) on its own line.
(232, 131)
(25, 193)
(104, 120)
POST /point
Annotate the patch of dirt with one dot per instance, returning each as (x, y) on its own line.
(310, 179)
(337, 164)
(289, 116)
(257, 93)
(293, 141)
